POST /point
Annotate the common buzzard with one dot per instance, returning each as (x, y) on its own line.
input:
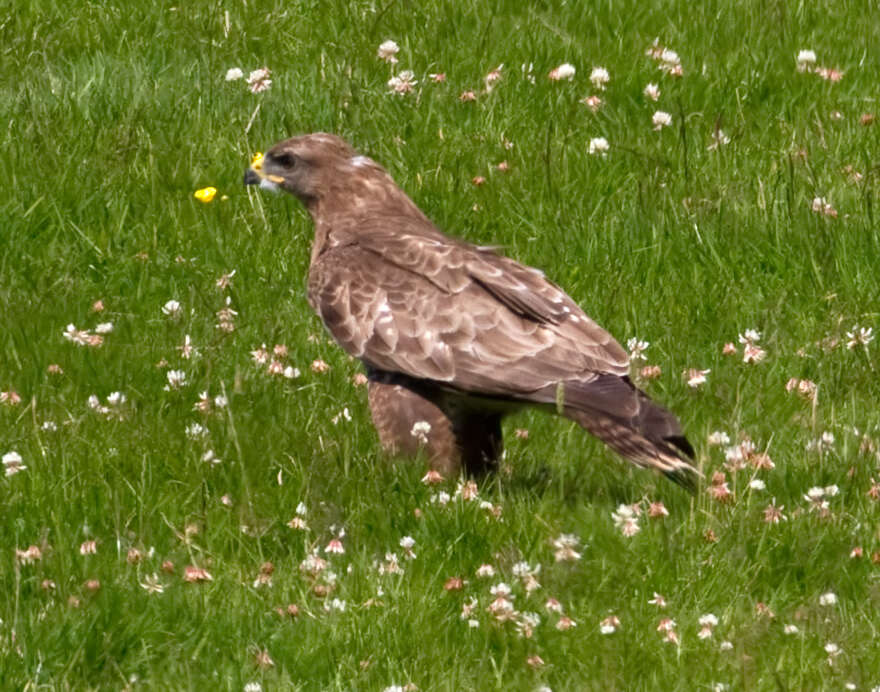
(454, 336)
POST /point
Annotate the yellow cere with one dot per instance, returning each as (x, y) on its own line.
(257, 161)
(206, 194)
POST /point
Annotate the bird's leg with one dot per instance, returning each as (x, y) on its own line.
(479, 438)
(414, 417)
(408, 424)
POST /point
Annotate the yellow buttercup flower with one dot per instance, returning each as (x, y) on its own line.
(257, 161)
(206, 194)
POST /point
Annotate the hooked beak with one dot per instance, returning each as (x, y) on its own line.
(255, 175)
(251, 177)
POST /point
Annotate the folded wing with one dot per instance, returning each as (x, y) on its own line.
(431, 307)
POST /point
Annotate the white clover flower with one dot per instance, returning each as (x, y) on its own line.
(104, 328)
(485, 571)
(652, 91)
(757, 484)
(696, 378)
(196, 430)
(828, 599)
(176, 379)
(815, 494)
(719, 139)
(658, 600)
(187, 350)
(735, 457)
(670, 62)
(402, 83)
(12, 463)
(151, 585)
(492, 77)
(171, 308)
(626, 520)
(81, 337)
(609, 625)
(805, 60)
(521, 569)
(441, 498)
(753, 354)
(637, 348)
(407, 543)
(565, 545)
(234, 73)
(343, 415)
(526, 624)
(599, 77)
(820, 205)
(859, 336)
(116, 398)
(669, 56)
(388, 51)
(420, 430)
(661, 119)
(593, 102)
(750, 336)
(500, 589)
(598, 146)
(337, 604)
(390, 566)
(259, 81)
(718, 438)
(563, 71)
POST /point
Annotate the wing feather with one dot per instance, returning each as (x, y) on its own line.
(450, 312)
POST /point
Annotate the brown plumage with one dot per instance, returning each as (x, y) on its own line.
(452, 335)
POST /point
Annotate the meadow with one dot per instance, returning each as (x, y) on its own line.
(193, 496)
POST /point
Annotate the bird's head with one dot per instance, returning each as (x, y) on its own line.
(303, 166)
(330, 178)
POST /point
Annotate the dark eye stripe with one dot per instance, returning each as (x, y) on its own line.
(285, 159)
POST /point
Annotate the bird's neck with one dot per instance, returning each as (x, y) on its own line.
(339, 216)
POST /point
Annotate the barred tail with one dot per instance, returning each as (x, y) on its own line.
(669, 455)
(613, 409)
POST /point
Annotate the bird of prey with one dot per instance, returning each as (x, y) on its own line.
(454, 336)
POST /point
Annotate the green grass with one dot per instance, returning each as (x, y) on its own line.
(116, 114)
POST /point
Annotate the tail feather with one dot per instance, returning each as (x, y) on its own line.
(625, 418)
(664, 455)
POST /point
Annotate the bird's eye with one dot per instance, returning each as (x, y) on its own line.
(285, 159)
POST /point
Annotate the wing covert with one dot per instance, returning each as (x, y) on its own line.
(443, 311)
